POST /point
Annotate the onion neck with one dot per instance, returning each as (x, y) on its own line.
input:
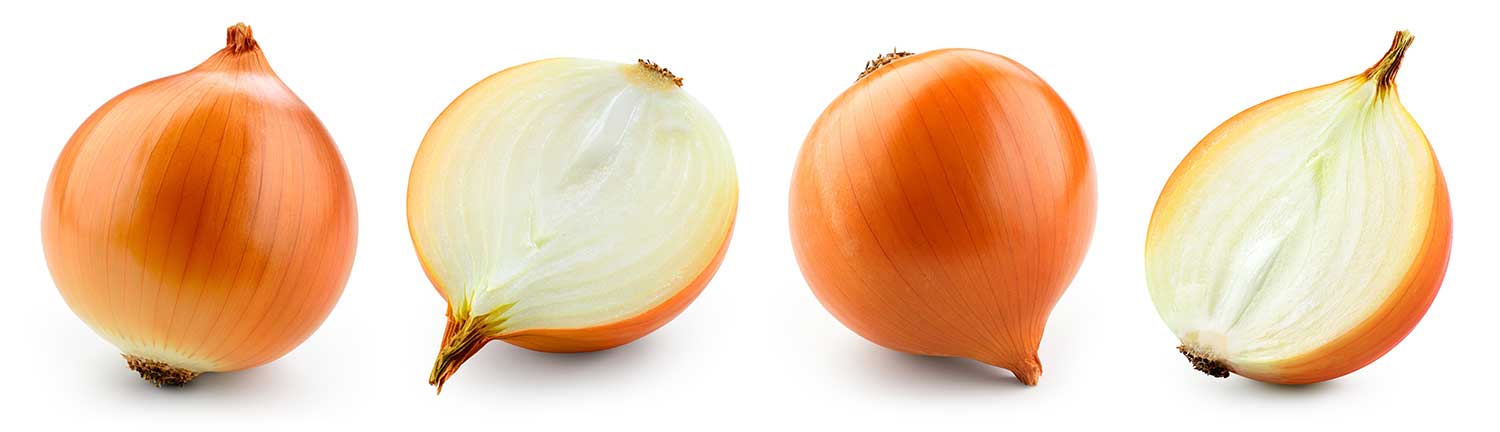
(881, 61)
(1384, 72)
(1028, 370)
(463, 338)
(159, 373)
(241, 53)
(240, 39)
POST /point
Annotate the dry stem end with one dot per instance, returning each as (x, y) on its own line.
(240, 39)
(882, 60)
(665, 74)
(463, 338)
(1384, 72)
(1204, 363)
(1029, 372)
(158, 373)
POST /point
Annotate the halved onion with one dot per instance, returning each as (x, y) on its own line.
(1304, 237)
(569, 205)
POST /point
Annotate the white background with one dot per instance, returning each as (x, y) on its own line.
(756, 350)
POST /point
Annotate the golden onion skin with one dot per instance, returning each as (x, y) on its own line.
(202, 222)
(942, 205)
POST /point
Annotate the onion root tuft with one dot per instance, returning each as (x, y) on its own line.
(158, 373)
(882, 60)
(664, 72)
(1204, 363)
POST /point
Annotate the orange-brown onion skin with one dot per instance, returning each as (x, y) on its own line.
(942, 205)
(207, 214)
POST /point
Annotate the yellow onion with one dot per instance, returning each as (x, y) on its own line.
(1306, 236)
(202, 222)
(569, 205)
(942, 204)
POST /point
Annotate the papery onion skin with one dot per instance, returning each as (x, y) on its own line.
(202, 222)
(544, 91)
(942, 205)
(1397, 314)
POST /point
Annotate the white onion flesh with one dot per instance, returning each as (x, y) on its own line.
(576, 192)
